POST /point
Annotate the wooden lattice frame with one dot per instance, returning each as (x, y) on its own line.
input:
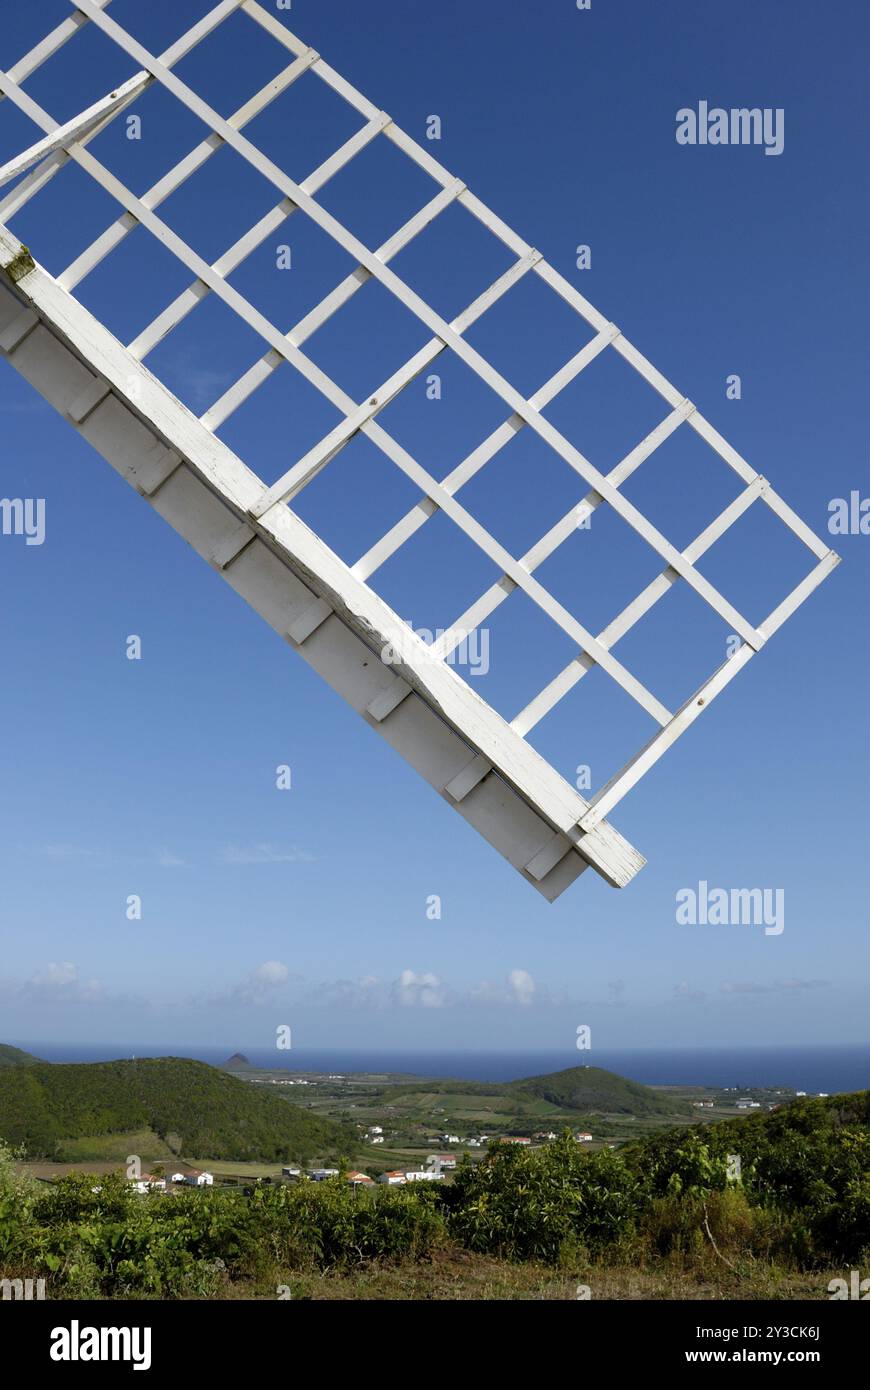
(482, 764)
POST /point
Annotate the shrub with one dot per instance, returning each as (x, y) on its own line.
(327, 1224)
(546, 1204)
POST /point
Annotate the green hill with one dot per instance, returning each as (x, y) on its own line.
(194, 1108)
(576, 1090)
(14, 1057)
(594, 1091)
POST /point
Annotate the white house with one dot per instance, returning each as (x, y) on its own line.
(291, 1172)
(376, 1129)
(418, 1175)
(394, 1178)
(583, 1137)
(376, 1139)
(147, 1183)
(178, 1177)
(199, 1180)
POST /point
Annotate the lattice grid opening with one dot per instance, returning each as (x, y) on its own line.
(250, 529)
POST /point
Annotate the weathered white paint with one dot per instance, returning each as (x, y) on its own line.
(478, 762)
(206, 493)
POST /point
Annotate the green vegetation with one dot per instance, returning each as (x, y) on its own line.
(663, 1212)
(584, 1090)
(593, 1091)
(101, 1239)
(810, 1162)
(191, 1107)
(414, 1110)
(14, 1057)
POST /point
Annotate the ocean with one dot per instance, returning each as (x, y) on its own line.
(811, 1069)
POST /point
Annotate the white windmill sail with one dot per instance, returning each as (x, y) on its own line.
(480, 762)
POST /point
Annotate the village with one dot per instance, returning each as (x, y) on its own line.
(438, 1165)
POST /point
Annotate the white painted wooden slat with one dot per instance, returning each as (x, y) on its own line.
(74, 128)
(441, 328)
(154, 333)
(33, 182)
(468, 778)
(577, 668)
(51, 44)
(547, 272)
(481, 609)
(400, 456)
(795, 523)
(179, 174)
(273, 26)
(332, 607)
(309, 620)
(648, 371)
(514, 570)
(38, 177)
(187, 255)
(241, 390)
(18, 329)
(772, 499)
(388, 700)
(231, 545)
(96, 391)
(547, 858)
(572, 296)
(613, 792)
(327, 74)
(802, 591)
(158, 466)
(295, 479)
(287, 537)
(389, 543)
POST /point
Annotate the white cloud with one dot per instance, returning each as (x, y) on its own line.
(519, 988)
(522, 987)
(257, 987)
(685, 991)
(423, 991)
(61, 980)
(271, 974)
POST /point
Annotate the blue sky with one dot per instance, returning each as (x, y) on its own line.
(157, 777)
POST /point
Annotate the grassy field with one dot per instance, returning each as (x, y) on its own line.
(457, 1275)
(116, 1148)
